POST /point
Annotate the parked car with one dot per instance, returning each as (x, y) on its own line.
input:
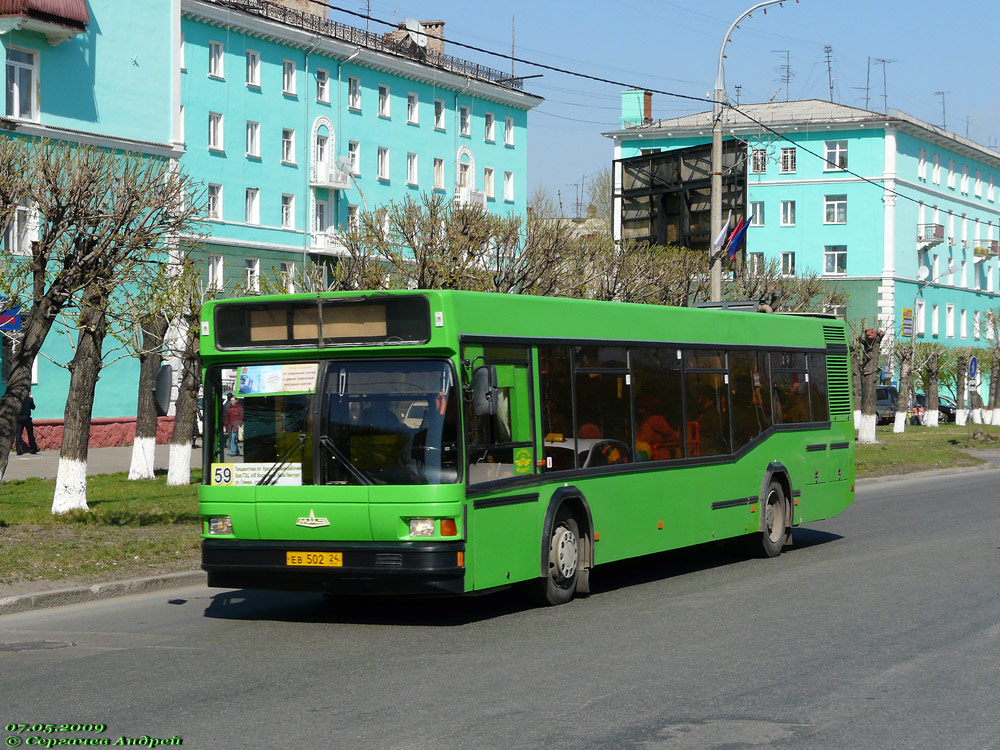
(885, 404)
(946, 407)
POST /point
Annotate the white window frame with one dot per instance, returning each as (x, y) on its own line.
(323, 85)
(288, 145)
(287, 275)
(756, 213)
(353, 217)
(216, 268)
(412, 108)
(216, 132)
(921, 318)
(936, 172)
(489, 128)
(976, 325)
(251, 274)
(755, 262)
(979, 184)
(354, 93)
(508, 187)
(214, 200)
(216, 60)
(951, 174)
(922, 164)
(488, 180)
(439, 118)
(253, 139)
(758, 160)
(835, 154)
(253, 68)
(462, 177)
(287, 211)
(253, 206)
(288, 75)
(949, 320)
(22, 231)
(508, 131)
(965, 179)
(835, 252)
(31, 68)
(837, 206)
(788, 213)
(788, 160)
(384, 101)
(439, 174)
(464, 122)
(963, 323)
(412, 173)
(382, 172)
(788, 268)
(935, 325)
(354, 154)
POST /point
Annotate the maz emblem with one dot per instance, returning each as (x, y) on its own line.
(312, 522)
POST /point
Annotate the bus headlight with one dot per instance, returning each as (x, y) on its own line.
(220, 525)
(421, 527)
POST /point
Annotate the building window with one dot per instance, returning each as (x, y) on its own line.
(353, 217)
(383, 101)
(755, 263)
(214, 201)
(975, 325)
(463, 175)
(354, 93)
(287, 211)
(21, 76)
(922, 164)
(412, 109)
(439, 114)
(322, 152)
(963, 329)
(758, 161)
(836, 155)
(253, 206)
(288, 77)
(488, 182)
(215, 58)
(215, 280)
(439, 174)
(287, 276)
(951, 173)
(464, 121)
(490, 128)
(936, 173)
(215, 131)
(253, 68)
(788, 264)
(319, 218)
(252, 274)
(21, 231)
(411, 169)
(508, 186)
(787, 160)
(253, 139)
(921, 318)
(935, 329)
(788, 213)
(756, 213)
(288, 145)
(835, 260)
(508, 132)
(949, 320)
(835, 209)
(322, 85)
(354, 154)
(383, 163)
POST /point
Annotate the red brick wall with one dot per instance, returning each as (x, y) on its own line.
(104, 433)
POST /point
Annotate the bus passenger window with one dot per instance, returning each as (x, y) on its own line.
(749, 385)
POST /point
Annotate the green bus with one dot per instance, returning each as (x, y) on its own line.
(444, 442)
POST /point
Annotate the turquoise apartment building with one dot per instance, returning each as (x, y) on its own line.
(864, 199)
(291, 122)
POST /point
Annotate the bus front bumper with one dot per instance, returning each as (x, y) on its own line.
(402, 568)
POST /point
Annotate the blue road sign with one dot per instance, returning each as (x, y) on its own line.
(973, 368)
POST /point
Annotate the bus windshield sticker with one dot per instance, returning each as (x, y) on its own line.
(522, 460)
(247, 475)
(268, 380)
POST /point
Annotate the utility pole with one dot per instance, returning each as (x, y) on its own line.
(944, 119)
(828, 51)
(559, 195)
(739, 90)
(786, 70)
(885, 90)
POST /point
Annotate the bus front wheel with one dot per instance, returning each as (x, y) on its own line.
(559, 585)
(774, 509)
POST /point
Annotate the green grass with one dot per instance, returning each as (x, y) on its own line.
(132, 529)
(919, 449)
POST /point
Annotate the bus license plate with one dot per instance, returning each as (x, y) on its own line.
(315, 559)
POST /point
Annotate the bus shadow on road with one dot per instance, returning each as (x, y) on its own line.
(281, 606)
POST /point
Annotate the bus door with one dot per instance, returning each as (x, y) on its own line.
(500, 460)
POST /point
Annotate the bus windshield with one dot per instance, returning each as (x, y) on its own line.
(379, 422)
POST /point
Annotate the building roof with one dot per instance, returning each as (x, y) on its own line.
(57, 19)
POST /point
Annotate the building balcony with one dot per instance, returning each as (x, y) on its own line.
(329, 242)
(326, 175)
(929, 235)
(465, 196)
(985, 248)
(57, 20)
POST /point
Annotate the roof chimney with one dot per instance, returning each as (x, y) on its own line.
(647, 107)
(435, 36)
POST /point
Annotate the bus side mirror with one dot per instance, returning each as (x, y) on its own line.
(162, 389)
(484, 391)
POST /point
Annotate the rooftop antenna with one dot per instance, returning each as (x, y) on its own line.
(944, 119)
(828, 51)
(512, 46)
(739, 89)
(967, 118)
(885, 91)
(786, 70)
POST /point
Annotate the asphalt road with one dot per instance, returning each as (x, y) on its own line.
(877, 629)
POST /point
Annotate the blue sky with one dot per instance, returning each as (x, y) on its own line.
(674, 46)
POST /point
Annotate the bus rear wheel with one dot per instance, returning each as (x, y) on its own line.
(774, 509)
(559, 585)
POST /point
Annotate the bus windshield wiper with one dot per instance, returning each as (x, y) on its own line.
(271, 475)
(354, 471)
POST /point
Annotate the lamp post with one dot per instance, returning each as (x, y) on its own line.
(716, 208)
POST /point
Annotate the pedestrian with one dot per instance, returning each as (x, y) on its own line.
(25, 424)
(233, 423)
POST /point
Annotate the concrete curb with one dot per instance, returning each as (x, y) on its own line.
(103, 590)
(926, 474)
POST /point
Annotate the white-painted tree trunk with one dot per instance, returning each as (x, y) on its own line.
(179, 464)
(866, 431)
(71, 486)
(931, 418)
(961, 417)
(989, 416)
(143, 458)
(977, 416)
(899, 425)
(857, 419)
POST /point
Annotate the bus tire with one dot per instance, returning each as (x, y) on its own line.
(774, 511)
(559, 586)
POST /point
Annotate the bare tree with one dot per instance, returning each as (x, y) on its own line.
(867, 343)
(765, 283)
(928, 368)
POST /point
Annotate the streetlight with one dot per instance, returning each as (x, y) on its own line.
(716, 209)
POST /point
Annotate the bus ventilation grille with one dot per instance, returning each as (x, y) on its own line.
(389, 559)
(833, 335)
(838, 377)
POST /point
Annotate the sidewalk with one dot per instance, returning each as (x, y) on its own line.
(99, 461)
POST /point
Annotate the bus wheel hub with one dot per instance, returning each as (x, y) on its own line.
(564, 554)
